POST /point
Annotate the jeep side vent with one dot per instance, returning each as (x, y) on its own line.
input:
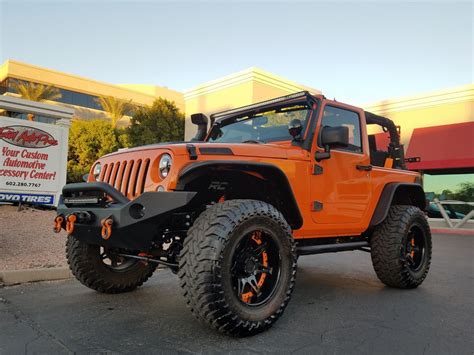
(216, 151)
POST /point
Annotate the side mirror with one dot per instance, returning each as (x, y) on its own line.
(335, 136)
(200, 120)
(295, 127)
(332, 137)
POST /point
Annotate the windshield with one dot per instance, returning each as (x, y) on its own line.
(270, 126)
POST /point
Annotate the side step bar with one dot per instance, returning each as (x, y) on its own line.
(329, 248)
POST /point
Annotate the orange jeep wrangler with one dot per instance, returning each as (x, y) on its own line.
(232, 210)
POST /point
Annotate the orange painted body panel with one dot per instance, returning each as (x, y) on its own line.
(349, 196)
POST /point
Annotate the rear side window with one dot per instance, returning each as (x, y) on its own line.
(334, 117)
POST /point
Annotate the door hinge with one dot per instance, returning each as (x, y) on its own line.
(317, 206)
(317, 169)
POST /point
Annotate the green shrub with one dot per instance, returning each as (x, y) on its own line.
(88, 140)
(162, 122)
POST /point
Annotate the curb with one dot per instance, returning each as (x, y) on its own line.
(13, 277)
(453, 231)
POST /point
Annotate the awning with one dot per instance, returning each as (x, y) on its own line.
(382, 140)
(443, 149)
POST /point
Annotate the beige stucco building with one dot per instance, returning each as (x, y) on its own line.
(248, 86)
(443, 109)
(242, 88)
(80, 93)
(436, 108)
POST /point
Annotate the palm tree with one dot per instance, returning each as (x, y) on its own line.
(36, 92)
(115, 108)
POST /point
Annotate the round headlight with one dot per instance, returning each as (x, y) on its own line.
(97, 170)
(165, 165)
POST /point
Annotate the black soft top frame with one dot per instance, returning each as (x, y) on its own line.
(395, 148)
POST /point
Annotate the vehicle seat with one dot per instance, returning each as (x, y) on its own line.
(377, 157)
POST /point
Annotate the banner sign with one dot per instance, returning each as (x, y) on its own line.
(33, 158)
(28, 198)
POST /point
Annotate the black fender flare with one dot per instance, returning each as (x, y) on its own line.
(396, 193)
(289, 208)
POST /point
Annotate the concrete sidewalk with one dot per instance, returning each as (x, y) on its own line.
(27, 240)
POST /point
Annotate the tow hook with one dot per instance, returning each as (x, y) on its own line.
(107, 227)
(58, 223)
(70, 220)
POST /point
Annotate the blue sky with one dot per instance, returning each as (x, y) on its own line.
(355, 51)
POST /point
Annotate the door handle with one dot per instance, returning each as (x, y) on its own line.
(364, 167)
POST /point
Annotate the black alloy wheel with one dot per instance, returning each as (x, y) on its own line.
(401, 247)
(115, 262)
(255, 268)
(238, 266)
(103, 270)
(414, 252)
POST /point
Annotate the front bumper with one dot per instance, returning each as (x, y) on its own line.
(135, 223)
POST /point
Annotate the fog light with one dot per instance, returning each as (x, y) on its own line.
(160, 188)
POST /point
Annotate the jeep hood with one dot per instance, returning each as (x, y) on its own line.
(277, 151)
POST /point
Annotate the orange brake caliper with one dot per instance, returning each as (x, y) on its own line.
(247, 296)
(257, 238)
(412, 253)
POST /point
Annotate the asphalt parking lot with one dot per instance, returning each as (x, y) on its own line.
(338, 306)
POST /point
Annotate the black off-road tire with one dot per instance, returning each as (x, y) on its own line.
(388, 243)
(87, 266)
(205, 266)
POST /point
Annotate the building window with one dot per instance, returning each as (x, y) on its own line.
(24, 116)
(67, 96)
(336, 117)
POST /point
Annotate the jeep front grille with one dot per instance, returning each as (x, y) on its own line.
(127, 176)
